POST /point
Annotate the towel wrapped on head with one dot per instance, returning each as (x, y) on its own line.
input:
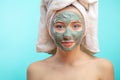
(89, 10)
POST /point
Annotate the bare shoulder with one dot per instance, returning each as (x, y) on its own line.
(104, 63)
(35, 66)
(39, 65)
(36, 70)
(106, 69)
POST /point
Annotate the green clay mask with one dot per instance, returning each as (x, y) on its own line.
(67, 30)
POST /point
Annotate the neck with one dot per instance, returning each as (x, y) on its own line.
(71, 57)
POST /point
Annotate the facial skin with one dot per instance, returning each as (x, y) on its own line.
(67, 30)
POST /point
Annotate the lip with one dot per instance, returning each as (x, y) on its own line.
(67, 43)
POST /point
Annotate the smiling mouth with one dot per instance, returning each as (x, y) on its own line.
(68, 43)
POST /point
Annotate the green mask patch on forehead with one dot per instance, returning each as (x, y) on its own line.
(67, 17)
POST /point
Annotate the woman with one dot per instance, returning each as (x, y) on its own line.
(70, 34)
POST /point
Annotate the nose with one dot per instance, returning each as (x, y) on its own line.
(67, 35)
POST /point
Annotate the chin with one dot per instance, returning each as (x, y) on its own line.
(68, 48)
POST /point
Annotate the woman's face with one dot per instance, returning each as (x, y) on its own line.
(67, 30)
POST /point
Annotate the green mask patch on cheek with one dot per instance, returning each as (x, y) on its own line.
(74, 36)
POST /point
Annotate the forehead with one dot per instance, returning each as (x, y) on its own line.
(68, 14)
(69, 8)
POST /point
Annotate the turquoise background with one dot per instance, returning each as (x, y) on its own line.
(19, 20)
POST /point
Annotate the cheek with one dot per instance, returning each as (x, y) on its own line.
(57, 36)
(77, 35)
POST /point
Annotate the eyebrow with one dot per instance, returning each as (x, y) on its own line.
(60, 22)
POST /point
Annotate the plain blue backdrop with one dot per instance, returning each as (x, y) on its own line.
(19, 21)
